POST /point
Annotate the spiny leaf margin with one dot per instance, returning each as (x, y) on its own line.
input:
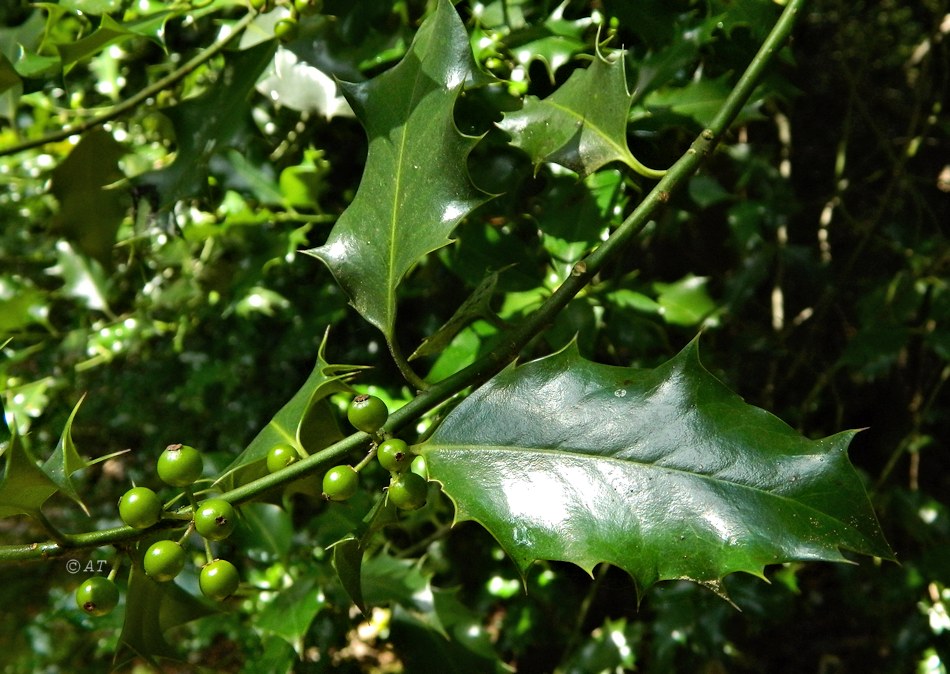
(664, 473)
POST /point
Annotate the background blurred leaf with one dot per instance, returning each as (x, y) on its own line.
(90, 210)
(291, 613)
(208, 124)
(151, 609)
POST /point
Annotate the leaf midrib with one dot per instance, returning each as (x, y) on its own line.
(597, 457)
(391, 280)
(622, 150)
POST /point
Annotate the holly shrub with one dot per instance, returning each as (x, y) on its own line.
(426, 336)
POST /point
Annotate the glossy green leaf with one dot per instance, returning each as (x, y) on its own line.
(570, 221)
(582, 125)
(304, 421)
(66, 460)
(664, 473)
(208, 124)
(415, 187)
(151, 609)
(290, 614)
(298, 85)
(24, 487)
(388, 580)
(757, 15)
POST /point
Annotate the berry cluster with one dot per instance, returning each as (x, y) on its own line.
(215, 518)
(408, 485)
(140, 508)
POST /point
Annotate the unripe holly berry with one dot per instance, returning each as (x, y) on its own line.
(286, 29)
(280, 456)
(307, 7)
(97, 596)
(215, 519)
(340, 483)
(164, 560)
(218, 579)
(140, 507)
(393, 455)
(408, 491)
(367, 413)
(179, 465)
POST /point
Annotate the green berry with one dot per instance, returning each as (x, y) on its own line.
(307, 7)
(179, 465)
(97, 596)
(408, 491)
(394, 456)
(215, 519)
(218, 579)
(340, 483)
(140, 507)
(367, 413)
(258, 5)
(419, 467)
(280, 456)
(164, 560)
(286, 30)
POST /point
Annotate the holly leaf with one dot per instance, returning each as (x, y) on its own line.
(66, 460)
(151, 609)
(415, 187)
(24, 487)
(305, 421)
(583, 124)
(664, 473)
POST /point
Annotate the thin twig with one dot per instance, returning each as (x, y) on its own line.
(139, 98)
